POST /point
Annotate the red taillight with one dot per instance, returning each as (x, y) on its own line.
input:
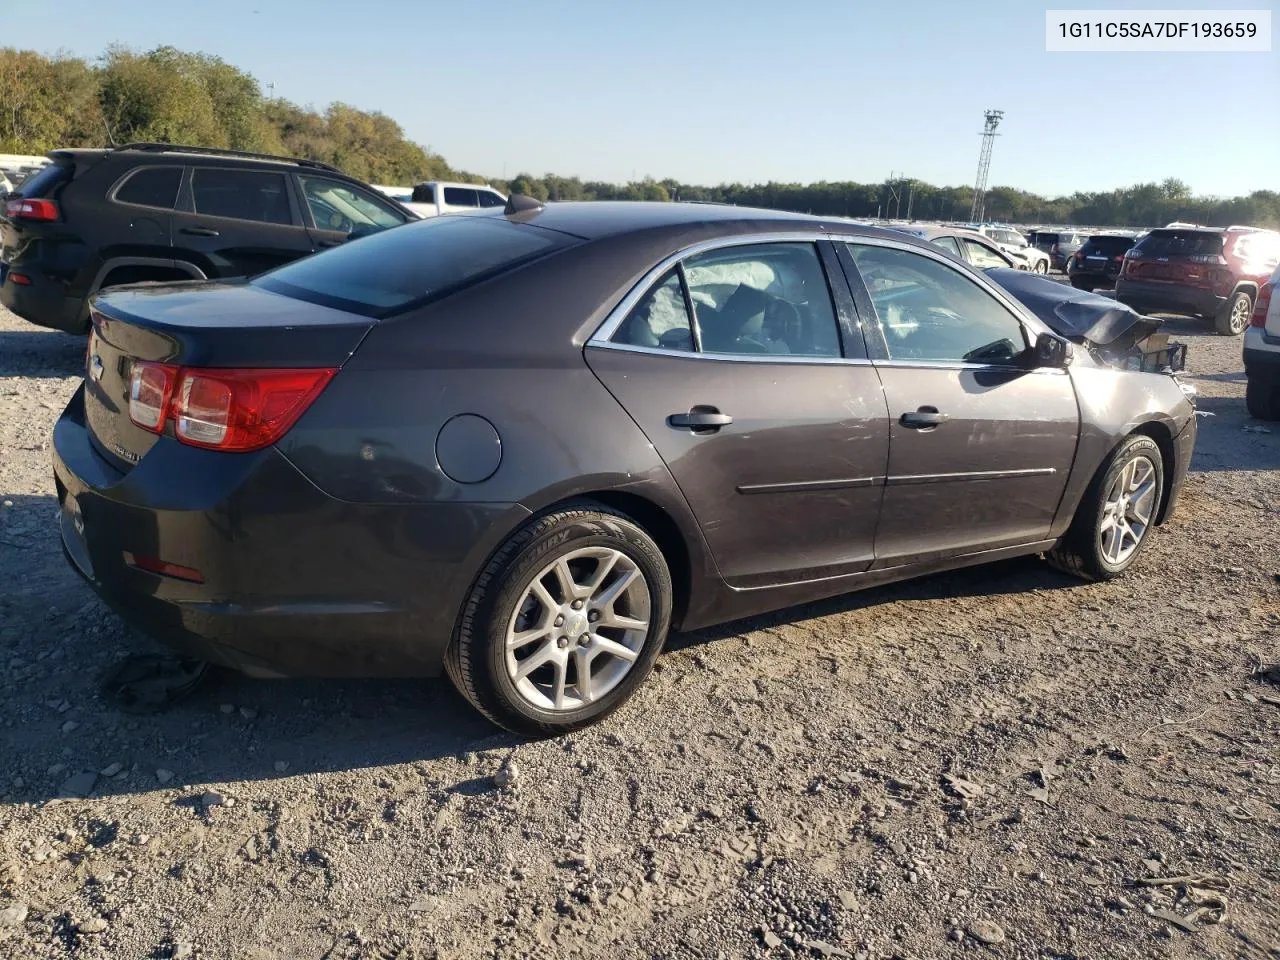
(31, 209)
(1261, 305)
(233, 410)
(150, 390)
(21, 279)
(163, 567)
(1118, 259)
(1079, 254)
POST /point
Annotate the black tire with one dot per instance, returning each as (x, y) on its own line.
(1262, 397)
(1079, 552)
(475, 661)
(1233, 318)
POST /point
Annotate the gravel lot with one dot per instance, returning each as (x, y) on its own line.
(982, 763)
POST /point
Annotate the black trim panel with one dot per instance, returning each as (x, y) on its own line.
(808, 486)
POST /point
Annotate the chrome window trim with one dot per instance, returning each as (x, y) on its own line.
(613, 320)
(731, 357)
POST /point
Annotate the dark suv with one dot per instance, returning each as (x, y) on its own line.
(1059, 245)
(1207, 272)
(155, 212)
(1097, 263)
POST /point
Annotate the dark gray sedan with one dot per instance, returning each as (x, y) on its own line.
(525, 447)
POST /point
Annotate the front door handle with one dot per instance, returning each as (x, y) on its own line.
(199, 231)
(926, 418)
(700, 419)
(332, 243)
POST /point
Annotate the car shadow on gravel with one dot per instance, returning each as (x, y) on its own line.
(1229, 439)
(40, 353)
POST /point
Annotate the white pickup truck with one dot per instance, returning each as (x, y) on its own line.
(436, 197)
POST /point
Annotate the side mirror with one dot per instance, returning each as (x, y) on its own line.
(1051, 351)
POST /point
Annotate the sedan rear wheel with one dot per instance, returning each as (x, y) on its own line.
(1113, 522)
(564, 623)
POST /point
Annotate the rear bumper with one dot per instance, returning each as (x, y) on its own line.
(1148, 297)
(1261, 354)
(42, 302)
(296, 583)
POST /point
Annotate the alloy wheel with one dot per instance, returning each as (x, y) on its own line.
(1126, 515)
(1240, 311)
(578, 629)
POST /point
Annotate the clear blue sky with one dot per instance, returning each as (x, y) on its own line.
(709, 92)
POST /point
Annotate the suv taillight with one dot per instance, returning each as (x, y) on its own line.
(232, 410)
(1262, 304)
(22, 208)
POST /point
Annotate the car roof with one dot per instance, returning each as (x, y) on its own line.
(593, 219)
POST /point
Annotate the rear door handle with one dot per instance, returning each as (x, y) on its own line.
(199, 231)
(923, 419)
(700, 419)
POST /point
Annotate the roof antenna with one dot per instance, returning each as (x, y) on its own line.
(519, 203)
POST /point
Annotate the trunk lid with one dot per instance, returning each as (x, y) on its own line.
(198, 324)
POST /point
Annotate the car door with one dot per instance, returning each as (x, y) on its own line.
(232, 222)
(981, 441)
(336, 211)
(752, 384)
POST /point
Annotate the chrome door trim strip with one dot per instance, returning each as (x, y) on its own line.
(732, 357)
(914, 478)
(808, 486)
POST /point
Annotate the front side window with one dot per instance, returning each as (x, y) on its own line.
(424, 193)
(490, 199)
(458, 197)
(151, 187)
(241, 195)
(982, 256)
(931, 311)
(338, 206)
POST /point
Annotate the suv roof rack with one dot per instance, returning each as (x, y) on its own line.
(149, 147)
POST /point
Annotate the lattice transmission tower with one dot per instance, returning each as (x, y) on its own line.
(984, 165)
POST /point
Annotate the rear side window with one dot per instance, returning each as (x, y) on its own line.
(948, 244)
(399, 269)
(1180, 243)
(458, 197)
(241, 195)
(151, 187)
(45, 181)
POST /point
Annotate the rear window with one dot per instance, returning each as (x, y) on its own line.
(43, 183)
(1180, 243)
(1107, 246)
(408, 266)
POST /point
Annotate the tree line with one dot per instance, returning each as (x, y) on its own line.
(172, 96)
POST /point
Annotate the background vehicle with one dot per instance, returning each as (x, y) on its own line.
(1014, 243)
(154, 212)
(1060, 245)
(1206, 272)
(6, 185)
(415, 461)
(1262, 352)
(974, 248)
(436, 197)
(1097, 263)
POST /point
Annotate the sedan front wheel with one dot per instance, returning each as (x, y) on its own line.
(1114, 520)
(564, 623)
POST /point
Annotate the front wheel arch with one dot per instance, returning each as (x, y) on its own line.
(1163, 437)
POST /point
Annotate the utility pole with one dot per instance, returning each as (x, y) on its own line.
(984, 165)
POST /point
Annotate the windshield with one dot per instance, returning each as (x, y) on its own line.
(1180, 243)
(407, 266)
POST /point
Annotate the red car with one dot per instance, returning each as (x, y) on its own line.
(1209, 272)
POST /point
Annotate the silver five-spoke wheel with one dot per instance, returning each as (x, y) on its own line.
(578, 628)
(1127, 513)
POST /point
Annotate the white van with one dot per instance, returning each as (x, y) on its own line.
(435, 197)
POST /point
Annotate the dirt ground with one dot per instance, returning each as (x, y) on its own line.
(996, 762)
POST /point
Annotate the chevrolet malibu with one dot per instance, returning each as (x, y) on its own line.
(525, 446)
